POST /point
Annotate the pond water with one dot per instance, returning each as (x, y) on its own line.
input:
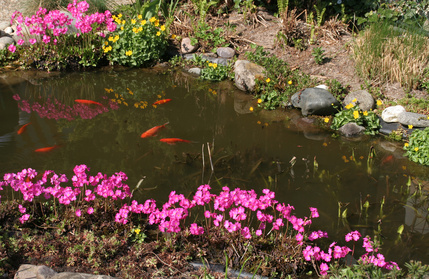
(230, 145)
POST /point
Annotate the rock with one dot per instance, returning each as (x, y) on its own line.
(4, 25)
(217, 60)
(322, 86)
(315, 101)
(415, 119)
(363, 99)
(388, 127)
(390, 114)
(187, 47)
(245, 74)
(8, 30)
(351, 129)
(225, 52)
(195, 71)
(6, 40)
(27, 271)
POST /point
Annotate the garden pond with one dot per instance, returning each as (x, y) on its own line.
(363, 184)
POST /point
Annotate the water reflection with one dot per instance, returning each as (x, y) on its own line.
(361, 184)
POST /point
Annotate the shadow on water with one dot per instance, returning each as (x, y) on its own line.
(364, 184)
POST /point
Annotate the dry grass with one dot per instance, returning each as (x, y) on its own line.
(392, 57)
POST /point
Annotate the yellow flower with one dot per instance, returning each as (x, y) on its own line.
(289, 82)
(140, 29)
(129, 52)
(406, 144)
(259, 101)
(379, 102)
(143, 22)
(136, 105)
(156, 23)
(135, 30)
(365, 113)
(123, 22)
(110, 39)
(152, 19)
(106, 43)
(107, 49)
(122, 28)
(356, 114)
(251, 108)
(354, 100)
(174, 37)
(162, 28)
(116, 38)
(133, 21)
(158, 33)
(410, 126)
(349, 106)
(214, 65)
(210, 64)
(137, 231)
(326, 119)
(268, 80)
(120, 15)
(139, 16)
(416, 149)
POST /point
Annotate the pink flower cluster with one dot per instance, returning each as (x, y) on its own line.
(54, 109)
(49, 26)
(107, 187)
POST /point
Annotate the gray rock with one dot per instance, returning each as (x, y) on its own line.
(316, 101)
(28, 271)
(187, 47)
(388, 127)
(217, 60)
(195, 71)
(2, 46)
(245, 74)
(415, 119)
(390, 114)
(363, 99)
(351, 129)
(6, 40)
(4, 24)
(225, 52)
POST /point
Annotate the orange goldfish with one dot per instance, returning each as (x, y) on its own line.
(152, 131)
(46, 149)
(87, 102)
(387, 159)
(172, 141)
(22, 129)
(160, 102)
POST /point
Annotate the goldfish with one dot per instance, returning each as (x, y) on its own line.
(22, 129)
(153, 131)
(387, 159)
(172, 141)
(87, 102)
(160, 102)
(46, 149)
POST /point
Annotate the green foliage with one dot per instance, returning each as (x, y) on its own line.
(7, 57)
(318, 55)
(337, 89)
(214, 72)
(353, 113)
(283, 81)
(397, 135)
(417, 149)
(201, 8)
(136, 42)
(282, 5)
(209, 38)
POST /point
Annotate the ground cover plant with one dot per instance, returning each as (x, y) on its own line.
(254, 230)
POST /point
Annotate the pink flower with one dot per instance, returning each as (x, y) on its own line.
(20, 42)
(355, 235)
(78, 213)
(22, 209)
(314, 212)
(195, 230)
(324, 268)
(12, 48)
(32, 41)
(24, 218)
(90, 210)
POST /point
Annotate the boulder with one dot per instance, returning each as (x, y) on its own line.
(363, 99)
(187, 47)
(225, 52)
(245, 74)
(4, 24)
(316, 101)
(390, 114)
(27, 271)
(415, 119)
(5, 41)
(8, 30)
(195, 71)
(351, 129)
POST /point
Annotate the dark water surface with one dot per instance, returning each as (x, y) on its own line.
(278, 150)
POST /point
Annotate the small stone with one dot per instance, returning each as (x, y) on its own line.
(363, 99)
(245, 74)
(187, 47)
(322, 86)
(8, 30)
(195, 71)
(225, 52)
(315, 101)
(390, 114)
(414, 119)
(351, 129)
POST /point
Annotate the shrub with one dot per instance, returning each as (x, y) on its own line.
(418, 146)
(136, 41)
